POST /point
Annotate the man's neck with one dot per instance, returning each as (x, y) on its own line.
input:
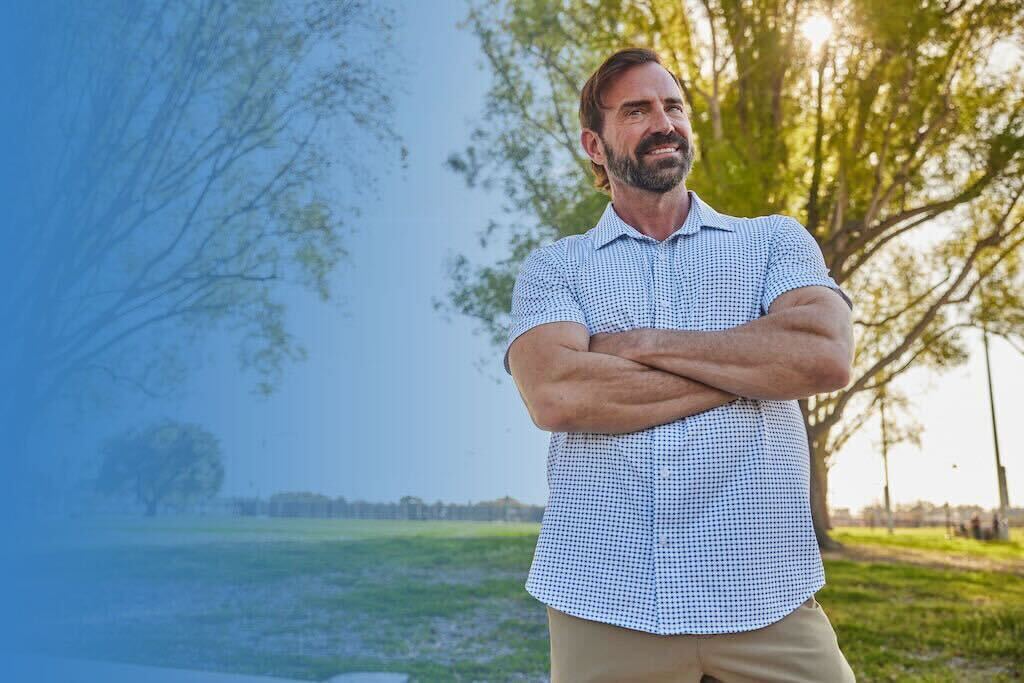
(654, 215)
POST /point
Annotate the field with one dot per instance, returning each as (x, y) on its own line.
(445, 601)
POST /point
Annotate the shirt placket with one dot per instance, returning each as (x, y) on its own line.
(663, 541)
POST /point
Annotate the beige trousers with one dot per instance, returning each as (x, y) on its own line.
(799, 648)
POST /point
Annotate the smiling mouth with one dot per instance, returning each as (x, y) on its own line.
(662, 151)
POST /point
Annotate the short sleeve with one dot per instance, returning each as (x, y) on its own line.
(795, 260)
(541, 295)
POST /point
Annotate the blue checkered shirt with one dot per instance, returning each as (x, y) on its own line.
(702, 525)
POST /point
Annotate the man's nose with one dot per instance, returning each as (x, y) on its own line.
(661, 123)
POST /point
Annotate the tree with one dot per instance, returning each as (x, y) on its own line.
(181, 183)
(167, 463)
(898, 142)
(299, 497)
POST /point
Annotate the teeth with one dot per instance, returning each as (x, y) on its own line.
(661, 150)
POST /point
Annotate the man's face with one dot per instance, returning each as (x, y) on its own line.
(647, 139)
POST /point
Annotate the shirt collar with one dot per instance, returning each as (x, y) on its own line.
(611, 226)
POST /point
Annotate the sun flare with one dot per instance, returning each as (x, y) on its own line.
(816, 29)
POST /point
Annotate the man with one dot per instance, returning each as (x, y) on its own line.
(665, 349)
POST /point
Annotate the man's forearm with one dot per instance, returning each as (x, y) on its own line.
(610, 395)
(780, 356)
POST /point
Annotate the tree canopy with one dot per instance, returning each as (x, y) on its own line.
(898, 141)
(180, 185)
(166, 463)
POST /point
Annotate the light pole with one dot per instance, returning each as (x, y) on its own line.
(1003, 532)
(949, 521)
(885, 461)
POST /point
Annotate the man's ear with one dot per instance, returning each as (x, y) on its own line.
(592, 145)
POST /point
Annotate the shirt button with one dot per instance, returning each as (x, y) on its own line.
(664, 473)
(663, 539)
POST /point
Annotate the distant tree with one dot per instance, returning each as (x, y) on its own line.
(167, 463)
(898, 142)
(300, 497)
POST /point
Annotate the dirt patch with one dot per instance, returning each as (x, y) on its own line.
(923, 558)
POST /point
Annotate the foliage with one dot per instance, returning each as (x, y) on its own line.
(899, 143)
(299, 497)
(167, 463)
(181, 187)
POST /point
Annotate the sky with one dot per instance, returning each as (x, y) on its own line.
(396, 400)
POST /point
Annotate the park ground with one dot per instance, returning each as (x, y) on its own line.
(444, 601)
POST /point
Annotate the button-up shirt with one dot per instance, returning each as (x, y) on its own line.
(702, 525)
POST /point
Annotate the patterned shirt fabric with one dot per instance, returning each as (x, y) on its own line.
(702, 525)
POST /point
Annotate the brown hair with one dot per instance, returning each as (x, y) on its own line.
(591, 115)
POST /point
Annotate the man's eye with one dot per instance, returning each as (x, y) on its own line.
(676, 106)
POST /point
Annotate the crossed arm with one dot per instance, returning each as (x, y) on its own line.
(627, 381)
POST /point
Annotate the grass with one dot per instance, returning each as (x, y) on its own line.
(934, 540)
(170, 530)
(898, 622)
(445, 601)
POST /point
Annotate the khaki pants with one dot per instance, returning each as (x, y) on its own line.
(799, 648)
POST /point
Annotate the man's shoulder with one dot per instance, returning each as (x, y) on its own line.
(713, 215)
(564, 250)
(760, 223)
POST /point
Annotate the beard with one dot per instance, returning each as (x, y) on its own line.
(657, 175)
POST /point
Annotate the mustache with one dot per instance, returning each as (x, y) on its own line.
(656, 141)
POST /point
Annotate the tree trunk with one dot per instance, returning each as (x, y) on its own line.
(819, 489)
(819, 502)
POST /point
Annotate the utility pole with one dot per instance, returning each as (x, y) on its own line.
(1003, 532)
(885, 463)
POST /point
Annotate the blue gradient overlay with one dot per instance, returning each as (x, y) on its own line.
(116, 116)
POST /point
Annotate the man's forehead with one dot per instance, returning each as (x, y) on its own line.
(644, 82)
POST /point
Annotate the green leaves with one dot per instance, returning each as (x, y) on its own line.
(899, 143)
(168, 462)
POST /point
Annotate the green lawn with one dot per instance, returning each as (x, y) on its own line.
(934, 540)
(445, 601)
